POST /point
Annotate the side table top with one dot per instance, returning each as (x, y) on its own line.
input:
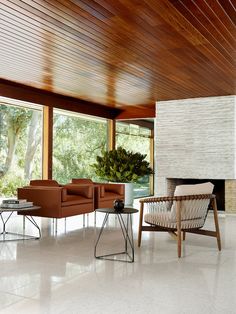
(4, 209)
(126, 210)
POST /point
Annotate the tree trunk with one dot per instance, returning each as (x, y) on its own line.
(11, 145)
(11, 148)
(34, 139)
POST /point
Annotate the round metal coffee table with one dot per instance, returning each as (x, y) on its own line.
(127, 233)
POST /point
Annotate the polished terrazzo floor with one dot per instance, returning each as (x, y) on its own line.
(59, 274)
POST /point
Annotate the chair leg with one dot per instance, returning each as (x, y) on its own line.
(139, 236)
(140, 225)
(179, 243)
(178, 213)
(216, 224)
(95, 218)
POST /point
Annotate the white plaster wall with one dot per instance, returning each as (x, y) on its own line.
(195, 138)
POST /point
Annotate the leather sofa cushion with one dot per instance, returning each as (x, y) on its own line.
(75, 200)
(110, 196)
(78, 190)
(113, 188)
(105, 188)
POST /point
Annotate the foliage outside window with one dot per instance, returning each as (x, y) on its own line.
(20, 146)
(135, 139)
(77, 140)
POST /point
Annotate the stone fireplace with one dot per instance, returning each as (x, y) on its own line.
(196, 142)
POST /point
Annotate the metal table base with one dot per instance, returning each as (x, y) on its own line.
(127, 233)
(19, 236)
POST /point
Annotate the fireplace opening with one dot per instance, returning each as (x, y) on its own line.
(219, 188)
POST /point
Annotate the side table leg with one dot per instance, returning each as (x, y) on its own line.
(132, 238)
(5, 222)
(100, 233)
(123, 229)
(31, 219)
(126, 234)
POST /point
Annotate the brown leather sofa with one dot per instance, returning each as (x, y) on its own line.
(104, 193)
(57, 201)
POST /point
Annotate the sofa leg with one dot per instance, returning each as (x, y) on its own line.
(24, 223)
(53, 226)
(87, 220)
(95, 218)
(83, 220)
(56, 226)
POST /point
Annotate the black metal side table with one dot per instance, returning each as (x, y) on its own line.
(22, 236)
(126, 229)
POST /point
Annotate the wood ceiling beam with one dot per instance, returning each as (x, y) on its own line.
(137, 112)
(35, 95)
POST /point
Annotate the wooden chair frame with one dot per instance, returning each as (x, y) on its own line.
(178, 230)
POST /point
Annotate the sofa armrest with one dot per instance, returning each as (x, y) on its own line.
(79, 189)
(48, 198)
(115, 188)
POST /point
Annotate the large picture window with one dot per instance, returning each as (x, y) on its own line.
(20, 144)
(136, 139)
(77, 140)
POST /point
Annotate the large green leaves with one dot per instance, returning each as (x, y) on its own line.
(120, 165)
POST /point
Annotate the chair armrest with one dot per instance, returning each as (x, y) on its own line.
(78, 189)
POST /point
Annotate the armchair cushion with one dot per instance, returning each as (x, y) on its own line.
(104, 193)
(165, 220)
(194, 189)
(191, 210)
(75, 200)
(110, 196)
(82, 190)
(114, 188)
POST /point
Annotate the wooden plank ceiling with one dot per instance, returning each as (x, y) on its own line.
(115, 58)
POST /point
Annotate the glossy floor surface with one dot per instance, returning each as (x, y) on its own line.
(59, 274)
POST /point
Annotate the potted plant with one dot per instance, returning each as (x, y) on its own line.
(120, 165)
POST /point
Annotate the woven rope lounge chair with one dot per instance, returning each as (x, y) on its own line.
(184, 212)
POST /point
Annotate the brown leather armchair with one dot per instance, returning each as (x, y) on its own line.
(104, 193)
(57, 201)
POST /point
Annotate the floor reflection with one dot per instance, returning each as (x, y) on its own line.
(59, 274)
